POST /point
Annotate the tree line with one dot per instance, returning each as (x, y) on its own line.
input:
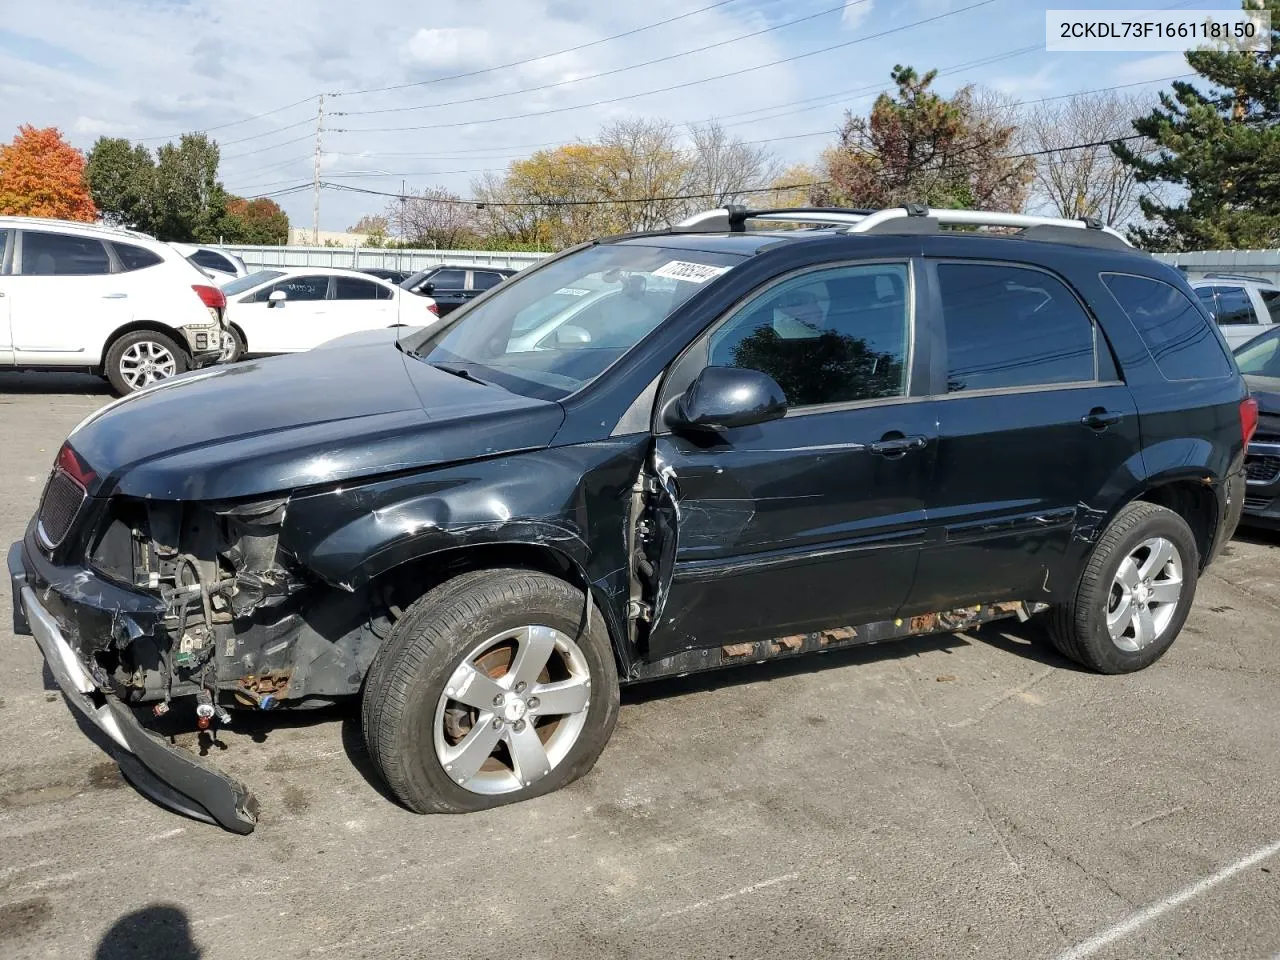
(173, 193)
(1187, 169)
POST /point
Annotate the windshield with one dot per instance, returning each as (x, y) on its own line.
(554, 328)
(1260, 357)
(242, 284)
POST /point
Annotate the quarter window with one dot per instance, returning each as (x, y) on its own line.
(1177, 335)
(1009, 326)
(829, 336)
(483, 279)
(62, 255)
(212, 261)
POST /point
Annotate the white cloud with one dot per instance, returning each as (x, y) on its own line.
(450, 48)
(856, 11)
(93, 127)
(1027, 84)
(1156, 67)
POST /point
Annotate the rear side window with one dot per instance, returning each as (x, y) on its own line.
(136, 258)
(1271, 300)
(353, 288)
(1234, 306)
(483, 280)
(1182, 344)
(212, 261)
(1010, 326)
(62, 255)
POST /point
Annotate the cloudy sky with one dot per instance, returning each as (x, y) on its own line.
(397, 109)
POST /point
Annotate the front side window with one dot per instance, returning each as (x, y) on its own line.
(242, 284)
(1010, 326)
(62, 255)
(1176, 334)
(298, 289)
(527, 336)
(829, 336)
(448, 280)
(1234, 306)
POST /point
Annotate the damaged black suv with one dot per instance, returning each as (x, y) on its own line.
(756, 435)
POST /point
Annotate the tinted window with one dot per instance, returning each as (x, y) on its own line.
(1182, 344)
(1271, 300)
(212, 261)
(1260, 357)
(1206, 298)
(60, 254)
(1234, 306)
(136, 258)
(1012, 327)
(448, 279)
(298, 288)
(353, 288)
(483, 280)
(832, 336)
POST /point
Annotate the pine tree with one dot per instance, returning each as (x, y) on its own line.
(1219, 151)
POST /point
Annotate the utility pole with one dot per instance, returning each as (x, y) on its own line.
(315, 185)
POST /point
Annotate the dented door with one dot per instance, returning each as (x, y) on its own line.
(800, 524)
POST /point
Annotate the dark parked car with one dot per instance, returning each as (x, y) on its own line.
(451, 287)
(776, 442)
(393, 276)
(1259, 361)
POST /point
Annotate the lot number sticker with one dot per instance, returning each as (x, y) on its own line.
(691, 272)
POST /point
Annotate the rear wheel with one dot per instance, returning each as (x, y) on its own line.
(1134, 594)
(490, 689)
(141, 358)
(232, 346)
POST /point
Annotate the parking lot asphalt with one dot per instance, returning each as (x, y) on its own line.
(957, 796)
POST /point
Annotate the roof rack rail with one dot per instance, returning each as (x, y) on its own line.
(1236, 276)
(913, 218)
(734, 218)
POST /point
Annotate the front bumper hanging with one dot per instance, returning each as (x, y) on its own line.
(169, 775)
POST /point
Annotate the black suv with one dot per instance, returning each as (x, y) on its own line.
(725, 446)
(451, 287)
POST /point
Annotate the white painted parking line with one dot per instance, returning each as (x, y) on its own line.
(1088, 948)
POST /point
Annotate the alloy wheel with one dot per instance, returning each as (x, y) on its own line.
(1144, 594)
(146, 362)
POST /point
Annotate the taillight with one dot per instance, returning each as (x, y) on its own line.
(211, 297)
(73, 466)
(433, 308)
(1248, 418)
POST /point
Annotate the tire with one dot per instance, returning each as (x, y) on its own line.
(236, 350)
(126, 366)
(1103, 627)
(417, 734)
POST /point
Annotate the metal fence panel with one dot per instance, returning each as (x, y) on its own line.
(1263, 264)
(362, 257)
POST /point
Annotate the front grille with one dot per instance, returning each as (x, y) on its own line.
(1256, 503)
(1261, 469)
(62, 500)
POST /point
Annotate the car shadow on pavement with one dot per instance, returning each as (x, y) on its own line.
(80, 384)
(157, 932)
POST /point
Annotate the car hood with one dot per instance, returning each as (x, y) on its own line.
(351, 408)
(1266, 390)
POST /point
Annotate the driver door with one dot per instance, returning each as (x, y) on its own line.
(815, 520)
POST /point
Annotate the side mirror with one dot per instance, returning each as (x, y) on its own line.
(725, 397)
(427, 289)
(276, 298)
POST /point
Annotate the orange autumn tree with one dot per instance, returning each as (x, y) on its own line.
(41, 175)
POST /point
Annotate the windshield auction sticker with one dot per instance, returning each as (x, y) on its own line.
(684, 270)
(1140, 31)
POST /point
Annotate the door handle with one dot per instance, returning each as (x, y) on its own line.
(114, 296)
(1100, 419)
(897, 446)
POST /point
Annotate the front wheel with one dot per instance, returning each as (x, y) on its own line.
(1134, 595)
(490, 689)
(141, 358)
(232, 346)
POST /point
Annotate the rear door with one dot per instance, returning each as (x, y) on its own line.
(64, 299)
(1033, 424)
(810, 521)
(448, 289)
(360, 304)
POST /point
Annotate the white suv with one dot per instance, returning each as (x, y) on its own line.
(113, 302)
(1243, 306)
(219, 264)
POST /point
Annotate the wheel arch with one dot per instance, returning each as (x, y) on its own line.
(133, 326)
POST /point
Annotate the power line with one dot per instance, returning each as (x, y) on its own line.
(581, 203)
(679, 86)
(607, 73)
(232, 123)
(541, 56)
(259, 136)
(284, 143)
